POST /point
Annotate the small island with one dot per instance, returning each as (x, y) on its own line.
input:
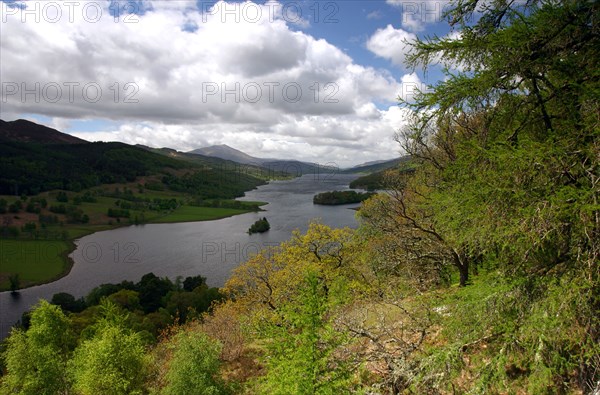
(260, 226)
(341, 197)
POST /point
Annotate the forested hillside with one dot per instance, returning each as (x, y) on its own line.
(30, 168)
(476, 273)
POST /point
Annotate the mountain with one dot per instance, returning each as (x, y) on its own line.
(35, 158)
(377, 166)
(24, 131)
(373, 162)
(375, 177)
(293, 167)
(253, 169)
(226, 152)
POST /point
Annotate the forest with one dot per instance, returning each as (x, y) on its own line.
(340, 197)
(478, 272)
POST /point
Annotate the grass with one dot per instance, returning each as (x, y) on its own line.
(40, 261)
(35, 261)
(192, 213)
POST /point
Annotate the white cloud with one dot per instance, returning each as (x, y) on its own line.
(391, 43)
(375, 15)
(167, 84)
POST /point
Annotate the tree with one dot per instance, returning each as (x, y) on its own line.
(286, 297)
(273, 276)
(62, 197)
(113, 360)
(510, 143)
(67, 302)
(152, 289)
(15, 283)
(192, 282)
(513, 136)
(411, 242)
(36, 359)
(190, 363)
(260, 226)
(300, 358)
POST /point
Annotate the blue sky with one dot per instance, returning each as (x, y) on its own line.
(312, 80)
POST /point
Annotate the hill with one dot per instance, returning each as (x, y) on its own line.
(35, 158)
(293, 167)
(376, 180)
(226, 152)
(29, 132)
(254, 169)
(375, 166)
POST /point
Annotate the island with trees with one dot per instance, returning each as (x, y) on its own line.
(341, 197)
(260, 226)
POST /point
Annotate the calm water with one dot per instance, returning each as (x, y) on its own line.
(210, 248)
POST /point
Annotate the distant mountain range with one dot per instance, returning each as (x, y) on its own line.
(23, 131)
(226, 152)
(35, 158)
(294, 167)
(376, 166)
(29, 132)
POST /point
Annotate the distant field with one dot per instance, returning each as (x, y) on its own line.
(45, 258)
(192, 213)
(35, 261)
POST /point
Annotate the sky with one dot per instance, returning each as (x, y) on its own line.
(308, 80)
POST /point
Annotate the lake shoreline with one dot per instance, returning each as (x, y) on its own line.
(68, 262)
(211, 249)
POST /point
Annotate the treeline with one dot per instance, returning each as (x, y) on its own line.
(209, 184)
(31, 168)
(340, 197)
(152, 304)
(378, 180)
(110, 341)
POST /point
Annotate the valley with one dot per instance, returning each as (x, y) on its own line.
(416, 211)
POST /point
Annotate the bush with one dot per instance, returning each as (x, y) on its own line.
(62, 197)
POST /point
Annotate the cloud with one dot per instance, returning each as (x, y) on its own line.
(183, 77)
(391, 44)
(375, 15)
(365, 136)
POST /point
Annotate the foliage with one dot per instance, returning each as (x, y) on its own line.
(377, 180)
(33, 168)
(340, 197)
(189, 364)
(213, 184)
(62, 197)
(508, 152)
(260, 226)
(113, 361)
(67, 302)
(301, 346)
(15, 283)
(36, 360)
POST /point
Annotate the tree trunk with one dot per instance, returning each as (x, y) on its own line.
(462, 263)
(463, 270)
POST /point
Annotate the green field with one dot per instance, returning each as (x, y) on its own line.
(41, 261)
(40, 255)
(192, 213)
(35, 261)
